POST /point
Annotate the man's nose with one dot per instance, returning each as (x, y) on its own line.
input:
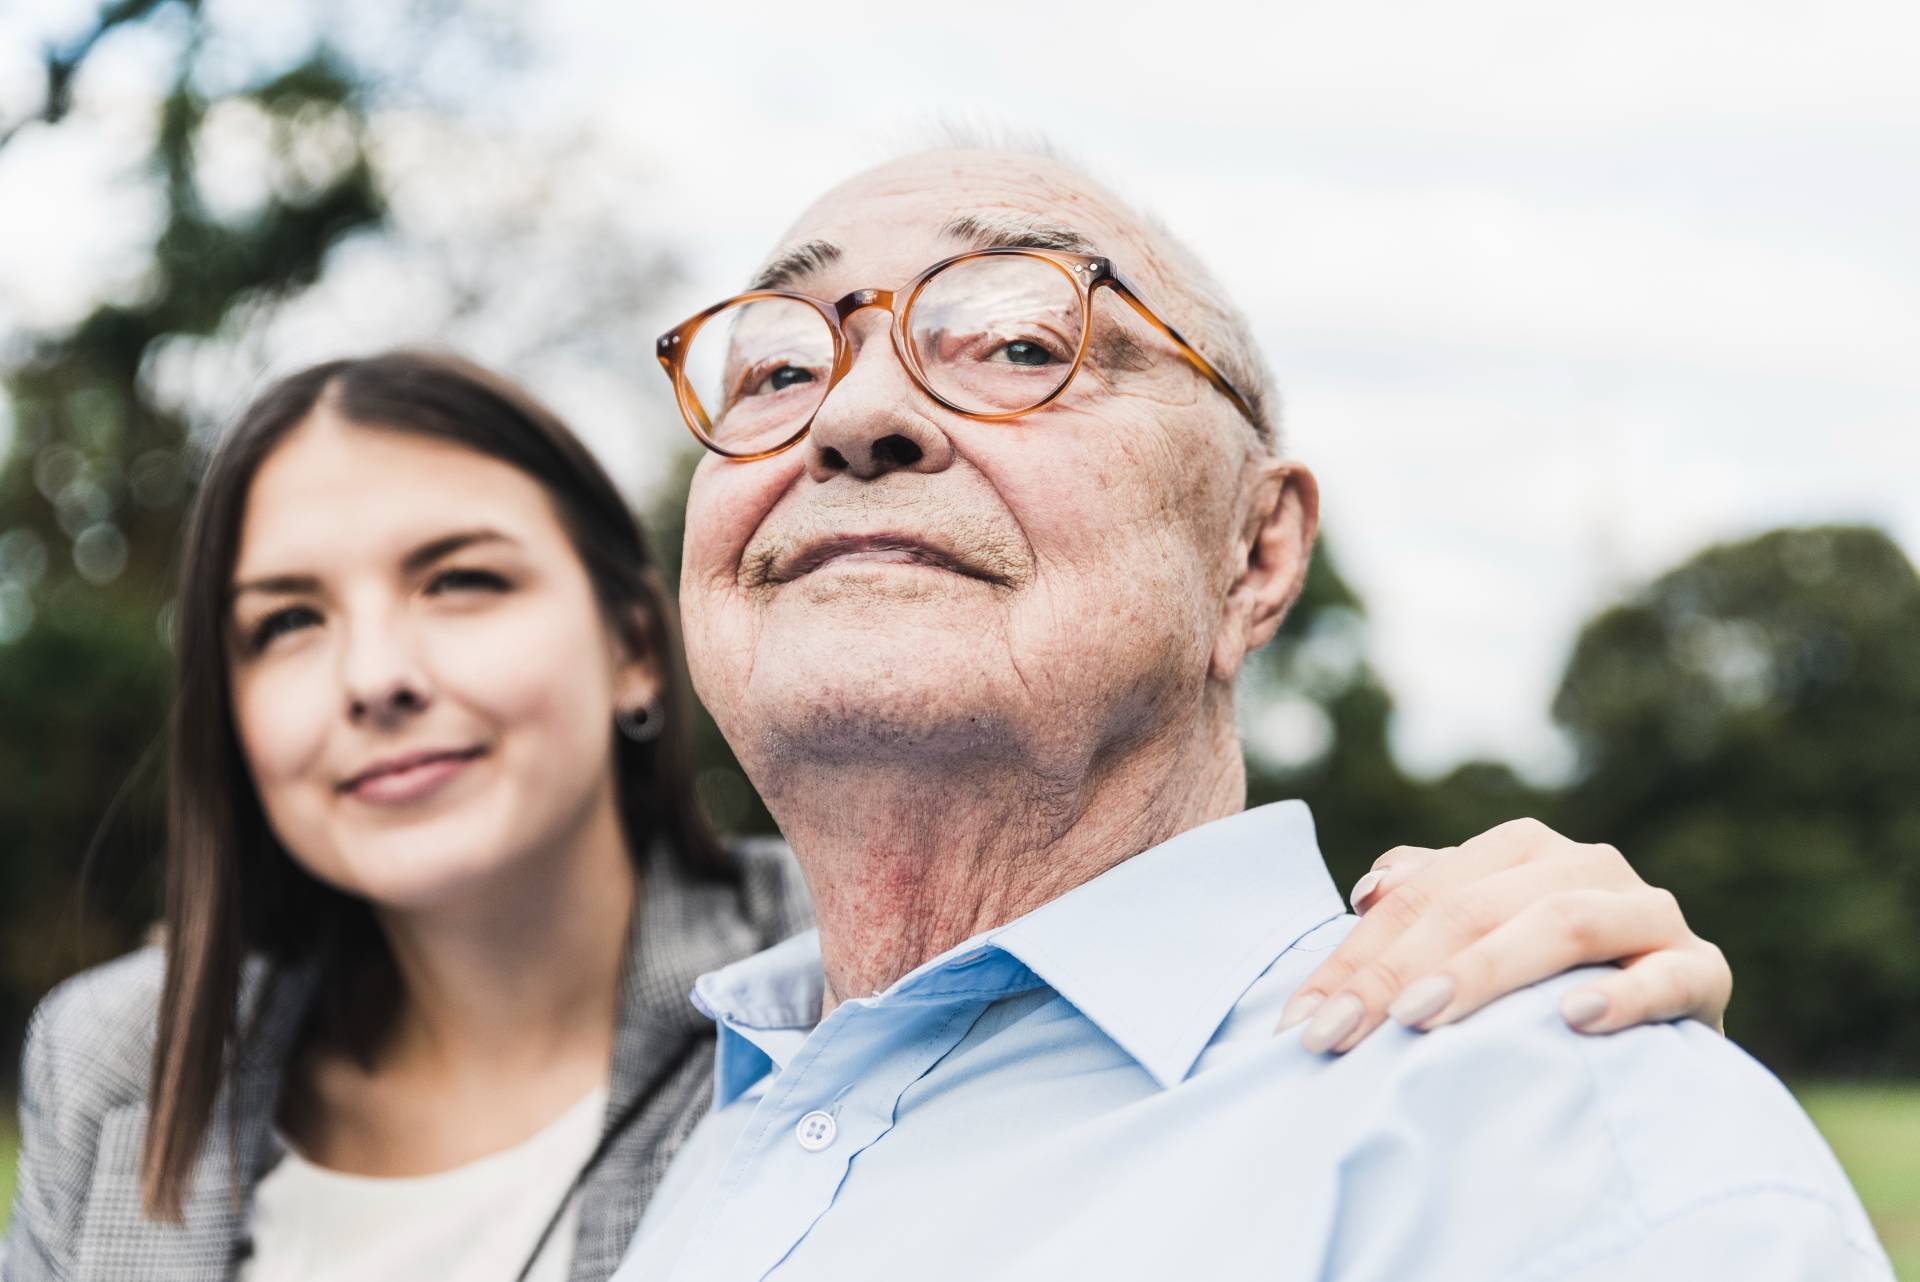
(875, 420)
(384, 686)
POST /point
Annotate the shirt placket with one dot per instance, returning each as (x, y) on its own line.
(838, 1095)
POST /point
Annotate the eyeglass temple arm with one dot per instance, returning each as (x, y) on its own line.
(1188, 350)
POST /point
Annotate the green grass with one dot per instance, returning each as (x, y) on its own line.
(1875, 1130)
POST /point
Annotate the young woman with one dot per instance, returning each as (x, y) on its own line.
(437, 889)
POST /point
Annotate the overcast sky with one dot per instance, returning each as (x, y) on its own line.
(1554, 296)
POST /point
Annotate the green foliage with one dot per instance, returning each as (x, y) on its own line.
(95, 484)
(1363, 803)
(731, 803)
(1749, 729)
(98, 471)
(85, 692)
(1316, 669)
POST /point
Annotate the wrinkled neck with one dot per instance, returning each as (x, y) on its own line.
(906, 859)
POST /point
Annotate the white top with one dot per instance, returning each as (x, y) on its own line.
(474, 1223)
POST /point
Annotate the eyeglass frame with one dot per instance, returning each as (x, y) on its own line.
(1089, 272)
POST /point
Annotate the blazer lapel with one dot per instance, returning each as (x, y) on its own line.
(662, 1049)
(118, 1243)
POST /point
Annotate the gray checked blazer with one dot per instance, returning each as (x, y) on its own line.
(83, 1086)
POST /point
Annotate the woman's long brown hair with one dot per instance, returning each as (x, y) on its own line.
(232, 889)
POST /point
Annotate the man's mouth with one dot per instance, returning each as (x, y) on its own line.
(873, 549)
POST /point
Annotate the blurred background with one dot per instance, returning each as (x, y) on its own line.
(1601, 330)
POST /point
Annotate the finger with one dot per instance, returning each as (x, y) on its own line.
(1389, 870)
(1365, 941)
(1557, 932)
(1398, 864)
(1517, 840)
(1395, 910)
(1674, 983)
(1416, 979)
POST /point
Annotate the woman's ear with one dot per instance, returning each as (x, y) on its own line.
(636, 643)
(1276, 543)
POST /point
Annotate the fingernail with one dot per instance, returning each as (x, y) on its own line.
(1423, 1000)
(1364, 887)
(1583, 1008)
(1334, 1021)
(1301, 1006)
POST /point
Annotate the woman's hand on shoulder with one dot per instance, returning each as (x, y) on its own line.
(1444, 932)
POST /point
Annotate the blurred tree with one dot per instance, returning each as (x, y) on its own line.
(97, 474)
(1749, 731)
(305, 168)
(93, 488)
(69, 764)
(730, 801)
(1317, 728)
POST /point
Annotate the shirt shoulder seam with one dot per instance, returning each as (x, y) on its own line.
(1554, 1264)
(1648, 1221)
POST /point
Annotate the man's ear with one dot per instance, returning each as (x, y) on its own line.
(1275, 544)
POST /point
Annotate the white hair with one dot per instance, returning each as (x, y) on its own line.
(1217, 327)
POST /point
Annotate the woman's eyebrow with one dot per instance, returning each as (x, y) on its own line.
(275, 584)
(415, 561)
(447, 544)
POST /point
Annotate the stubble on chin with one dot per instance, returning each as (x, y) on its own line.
(982, 545)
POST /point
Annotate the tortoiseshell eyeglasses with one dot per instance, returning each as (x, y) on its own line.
(991, 334)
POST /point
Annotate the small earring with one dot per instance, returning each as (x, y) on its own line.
(642, 724)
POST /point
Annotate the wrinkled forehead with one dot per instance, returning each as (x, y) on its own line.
(882, 226)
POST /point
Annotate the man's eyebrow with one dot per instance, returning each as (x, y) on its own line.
(789, 265)
(984, 231)
(414, 562)
(1016, 231)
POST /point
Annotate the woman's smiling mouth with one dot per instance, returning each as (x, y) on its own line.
(414, 777)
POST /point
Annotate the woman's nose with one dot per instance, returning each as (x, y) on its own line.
(387, 708)
(383, 684)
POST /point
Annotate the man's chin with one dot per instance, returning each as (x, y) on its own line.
(840, 619)
(850, 695)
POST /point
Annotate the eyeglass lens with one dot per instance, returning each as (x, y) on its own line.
(995, 334)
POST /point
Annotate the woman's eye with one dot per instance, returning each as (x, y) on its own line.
(278, 624)
(466, 581)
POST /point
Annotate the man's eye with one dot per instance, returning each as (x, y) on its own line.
(278, 624)
(782, 378)
(466, 581)
(1023, 353)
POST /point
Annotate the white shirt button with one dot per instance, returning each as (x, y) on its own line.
(816, 1131)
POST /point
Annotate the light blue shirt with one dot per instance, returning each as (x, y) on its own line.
(1094, 1091)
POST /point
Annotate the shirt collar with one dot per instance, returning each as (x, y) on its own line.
(1160, 949)
(1156, 952)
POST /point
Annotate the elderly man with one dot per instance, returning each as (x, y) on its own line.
(972, 623)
